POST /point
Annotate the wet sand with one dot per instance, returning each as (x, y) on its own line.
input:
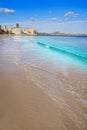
(25, 106)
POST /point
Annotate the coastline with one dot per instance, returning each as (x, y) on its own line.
(4, 35)
(57, 35)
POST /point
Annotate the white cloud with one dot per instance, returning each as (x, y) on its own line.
(53, 19)
(6, 10)
(76, 14)
(71, 14)
(68, 14)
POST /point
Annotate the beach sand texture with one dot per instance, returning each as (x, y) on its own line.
(25, 106)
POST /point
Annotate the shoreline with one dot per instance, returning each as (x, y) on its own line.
(4, 35)
(35, 98)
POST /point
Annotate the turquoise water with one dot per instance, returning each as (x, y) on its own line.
(73, 49)
(74, 46)
(68, 50)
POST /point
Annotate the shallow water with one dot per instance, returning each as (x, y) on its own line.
(62, 75)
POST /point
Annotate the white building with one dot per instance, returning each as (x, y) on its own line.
(30, 31)
(16, 30)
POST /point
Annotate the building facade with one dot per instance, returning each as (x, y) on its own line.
(30, 31)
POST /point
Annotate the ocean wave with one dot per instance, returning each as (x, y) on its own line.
(65, 52)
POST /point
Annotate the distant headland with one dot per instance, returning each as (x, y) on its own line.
(17, 30)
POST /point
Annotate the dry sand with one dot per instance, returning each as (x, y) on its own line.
(3, 35)
(23, 106)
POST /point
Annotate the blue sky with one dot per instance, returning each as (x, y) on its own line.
(47, 15)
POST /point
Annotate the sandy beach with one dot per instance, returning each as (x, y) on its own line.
(43, 65)
(4, 35)
(25, 106)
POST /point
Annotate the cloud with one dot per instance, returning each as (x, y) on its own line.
(68, 14)
(76, 14)
(6, 10)
(72, 14)
(53, 19)
(32, 19)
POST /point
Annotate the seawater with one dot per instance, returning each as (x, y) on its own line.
(57, 65)
(59, 52)
(75, 47)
